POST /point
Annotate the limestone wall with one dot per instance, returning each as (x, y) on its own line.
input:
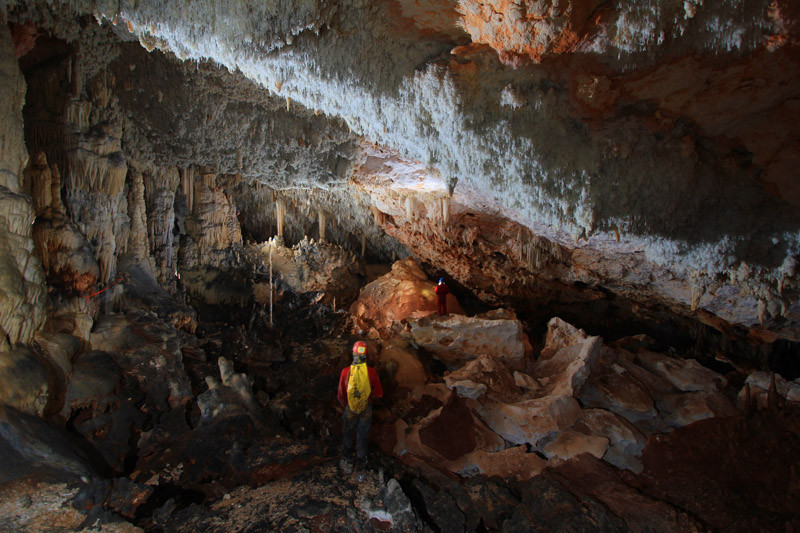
(22, 290)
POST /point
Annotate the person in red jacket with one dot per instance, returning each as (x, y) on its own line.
(352, 421)
(442, 291)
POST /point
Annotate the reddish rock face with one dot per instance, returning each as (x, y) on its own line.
(529, 28)
(454, 419)
(66, 257)
(403, 294)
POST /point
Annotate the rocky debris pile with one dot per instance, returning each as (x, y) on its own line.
(311, 266)
(516, 416)
(403, 294)
(316, 499)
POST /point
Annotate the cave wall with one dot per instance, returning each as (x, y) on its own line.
(21, 275)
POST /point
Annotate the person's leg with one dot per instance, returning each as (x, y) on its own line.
(349, 423)
(362, 436)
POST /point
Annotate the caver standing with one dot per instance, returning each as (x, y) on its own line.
(358, 385)
(442, 290)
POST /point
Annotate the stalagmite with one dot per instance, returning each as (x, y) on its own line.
(38, 183)
(280, 212)
(55, 188)
(187, 179)
(363, 245)
(270, 285)
(445, 211)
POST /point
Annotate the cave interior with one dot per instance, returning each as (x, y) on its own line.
(204, 205)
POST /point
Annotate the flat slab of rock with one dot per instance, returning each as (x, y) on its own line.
(529, 421)
(481, 375)
(684, 374)
(569, 444)
(511, 463)
(682, 409)
(614, 389)
(455, 339)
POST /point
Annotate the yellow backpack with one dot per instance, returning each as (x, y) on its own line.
(358, 387)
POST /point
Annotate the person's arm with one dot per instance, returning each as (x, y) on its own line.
(375, 383)
(342, 392)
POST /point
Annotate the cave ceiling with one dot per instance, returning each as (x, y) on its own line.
(647, 149)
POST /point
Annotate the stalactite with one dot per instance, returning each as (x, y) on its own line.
(377, 215)
(363, 245)
(411, 208)
(280, 212)
(322, 218)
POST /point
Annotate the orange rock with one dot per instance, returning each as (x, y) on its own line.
(569, 444)
(403, 294)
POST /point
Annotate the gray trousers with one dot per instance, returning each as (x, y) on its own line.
(360, 424)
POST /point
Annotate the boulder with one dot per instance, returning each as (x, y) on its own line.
(24, 379)
(529, 421)
(59, 349)
(613, 388)
(401, 362)
(455, 339)
(625, 442)
(684, 374)
(432, 438)
(148, 350)
(481, 375)
(679, 410)
(29, 445)
(95, 379)
(74, 323)
(567, 358)
(526, 382)
(403, 294)
(569, 444)
(759, 384)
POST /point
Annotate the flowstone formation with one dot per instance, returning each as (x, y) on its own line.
(203, 206)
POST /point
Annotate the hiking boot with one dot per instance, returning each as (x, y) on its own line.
(346, 466)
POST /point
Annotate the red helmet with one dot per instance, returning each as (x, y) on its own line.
(360, 350)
